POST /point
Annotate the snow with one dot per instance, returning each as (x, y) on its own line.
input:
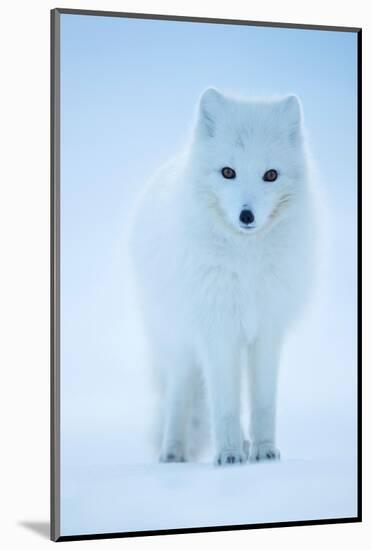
(98, 499)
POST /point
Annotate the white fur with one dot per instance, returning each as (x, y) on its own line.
(217, 297)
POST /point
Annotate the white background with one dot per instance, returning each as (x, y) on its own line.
(24, 300)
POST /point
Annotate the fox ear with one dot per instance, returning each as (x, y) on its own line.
(211, 102)
(292, 112)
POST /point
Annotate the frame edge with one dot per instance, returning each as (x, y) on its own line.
(54, 275)
(359, 274)
(199, 19)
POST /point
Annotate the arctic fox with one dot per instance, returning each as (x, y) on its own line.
(221, 243)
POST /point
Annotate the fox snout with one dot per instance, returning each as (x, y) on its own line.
(246, 216)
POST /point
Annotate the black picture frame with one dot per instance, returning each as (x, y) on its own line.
(55, 275)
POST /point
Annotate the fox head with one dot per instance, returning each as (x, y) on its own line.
(248, 159)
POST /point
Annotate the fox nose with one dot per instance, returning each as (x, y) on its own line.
(246, 217)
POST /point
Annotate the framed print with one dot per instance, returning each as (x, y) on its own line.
(206, 206)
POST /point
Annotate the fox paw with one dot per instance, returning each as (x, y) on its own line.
(173, 453)
(263, 451)
(230, 457)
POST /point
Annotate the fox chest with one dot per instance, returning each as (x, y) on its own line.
(238, 300)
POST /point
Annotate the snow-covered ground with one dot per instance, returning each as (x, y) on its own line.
(132, 497)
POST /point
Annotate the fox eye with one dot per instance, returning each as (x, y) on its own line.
(270, 175)
(228, 173)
